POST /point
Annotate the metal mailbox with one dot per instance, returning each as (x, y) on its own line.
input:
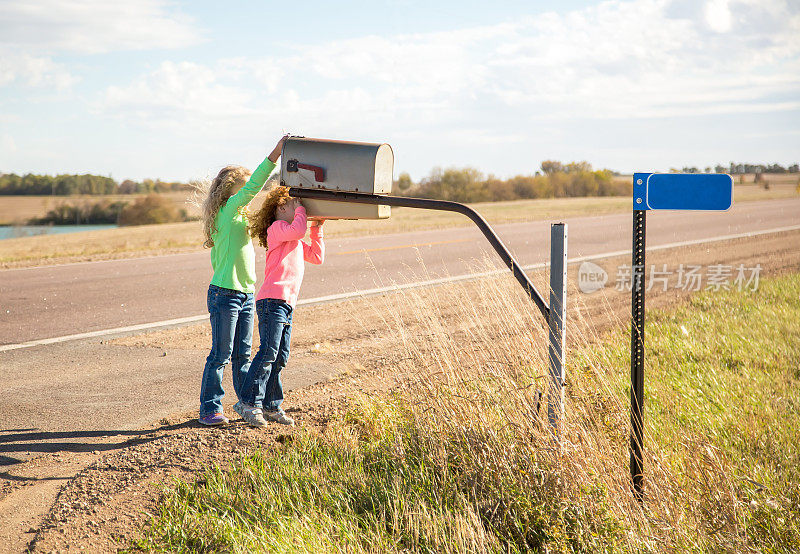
(338, 165)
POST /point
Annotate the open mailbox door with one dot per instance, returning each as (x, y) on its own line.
(338, 166)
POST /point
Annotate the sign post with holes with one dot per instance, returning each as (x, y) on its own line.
(660, 191)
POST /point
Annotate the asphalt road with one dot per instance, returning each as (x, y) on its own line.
(52, 301)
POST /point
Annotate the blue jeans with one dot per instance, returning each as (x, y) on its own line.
(263, 387)
(231, 314)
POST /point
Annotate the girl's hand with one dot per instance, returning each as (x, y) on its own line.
(294, 203)
(276, 152)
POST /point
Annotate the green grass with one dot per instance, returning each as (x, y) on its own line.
(466, 464)
(722, 406)
(395, 489)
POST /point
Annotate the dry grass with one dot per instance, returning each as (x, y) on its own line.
(103, 244)
(461, 458)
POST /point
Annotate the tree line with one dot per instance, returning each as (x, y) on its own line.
(67, 185)
(555, 180)
(735, 168)
(145, 210)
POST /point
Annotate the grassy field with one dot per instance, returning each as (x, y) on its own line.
(17, 210)
(155, 239)
(461, 458)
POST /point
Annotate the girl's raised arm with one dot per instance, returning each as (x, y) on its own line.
(282, 231)
(257, 179)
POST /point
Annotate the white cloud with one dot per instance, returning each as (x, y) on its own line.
(631, 60)
(718, 15)
(32, 34)
(93, 26)
(646, 58)
(17, 68)
(177, 90)
(498, 90)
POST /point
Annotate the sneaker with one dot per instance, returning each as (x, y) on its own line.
(279, 416)
(213, 419)
(239, 408)
(253, 416)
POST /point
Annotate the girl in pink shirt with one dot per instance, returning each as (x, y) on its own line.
(280, 225)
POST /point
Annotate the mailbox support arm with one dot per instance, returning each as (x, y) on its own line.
(443, 205)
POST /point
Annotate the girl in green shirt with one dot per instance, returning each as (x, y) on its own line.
(230, 294)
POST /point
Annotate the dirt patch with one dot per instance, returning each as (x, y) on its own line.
(100, 500)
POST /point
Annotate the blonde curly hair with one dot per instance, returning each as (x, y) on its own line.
(263, 218)
(215, 194)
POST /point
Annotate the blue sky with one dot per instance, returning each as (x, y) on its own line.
(175, 90)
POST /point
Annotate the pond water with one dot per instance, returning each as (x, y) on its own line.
(16, 231)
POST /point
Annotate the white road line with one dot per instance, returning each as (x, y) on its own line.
(103, 332)
(393, 288)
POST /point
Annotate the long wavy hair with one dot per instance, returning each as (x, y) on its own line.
(264, 217)
(215, 194)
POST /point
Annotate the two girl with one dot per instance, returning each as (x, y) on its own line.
(231, 299)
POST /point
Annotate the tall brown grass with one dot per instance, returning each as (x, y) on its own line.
(477, 370)
(459, 456)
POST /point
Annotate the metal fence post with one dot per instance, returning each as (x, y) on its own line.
(556, 319)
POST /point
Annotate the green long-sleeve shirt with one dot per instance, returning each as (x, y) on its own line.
(232, 256)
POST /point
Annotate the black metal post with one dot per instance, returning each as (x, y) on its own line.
(444, 205)
(637, 350)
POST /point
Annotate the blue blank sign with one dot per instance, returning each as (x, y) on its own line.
(682, 191)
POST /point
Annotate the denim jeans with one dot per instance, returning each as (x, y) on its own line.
(231, 314)
(263, 387)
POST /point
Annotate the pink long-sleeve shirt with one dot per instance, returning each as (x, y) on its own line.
(286, 253)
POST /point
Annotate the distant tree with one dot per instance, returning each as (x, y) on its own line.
(459, 185)
(88, 184)
(606, 185)
(151, 209)
(531, 186)
(105, 211)
(127, 187)
(9, 183)
(404, 182)
(498, 190)
(84, 212)
(551, 166)
(577, 167)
